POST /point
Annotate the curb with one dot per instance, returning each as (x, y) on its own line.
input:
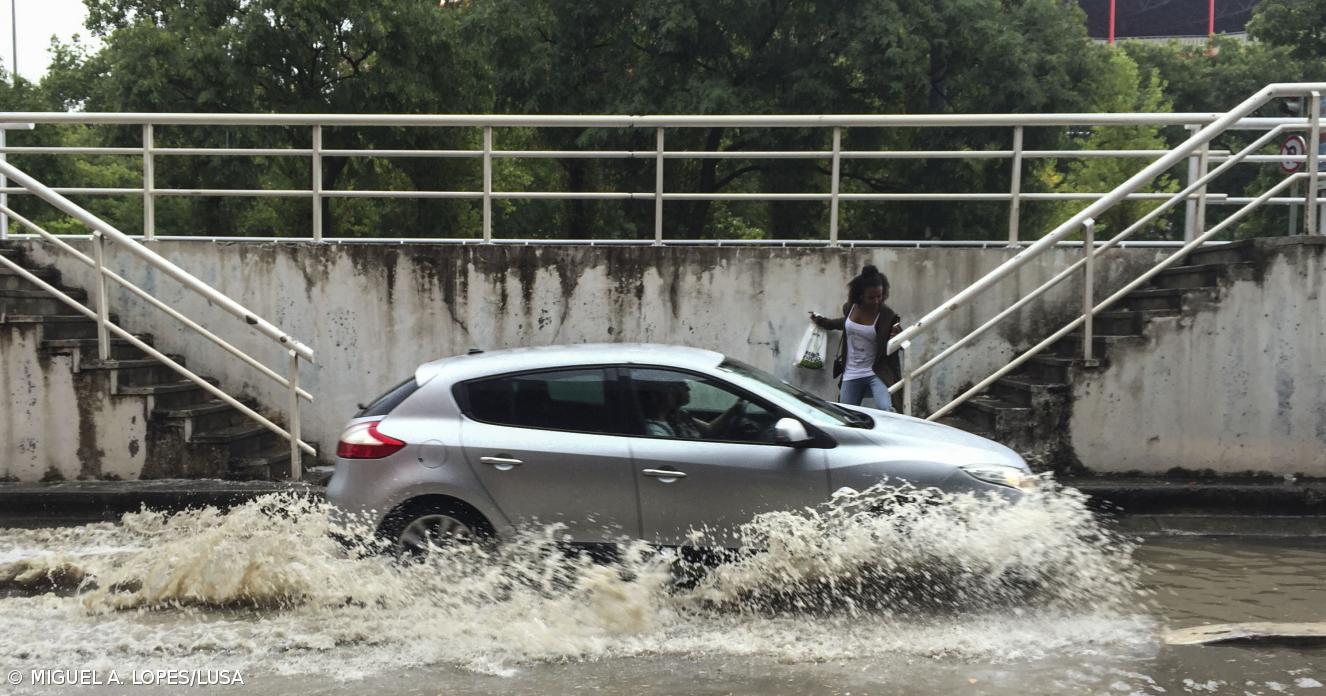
(31, 504)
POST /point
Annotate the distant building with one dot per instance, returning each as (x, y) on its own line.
(1167, 19)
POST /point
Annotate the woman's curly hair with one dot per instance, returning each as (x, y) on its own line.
(870, 277)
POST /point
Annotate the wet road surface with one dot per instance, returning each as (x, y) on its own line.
(609, 636)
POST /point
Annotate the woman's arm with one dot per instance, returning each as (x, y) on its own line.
(827, 323)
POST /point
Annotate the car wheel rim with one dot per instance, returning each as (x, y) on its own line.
(432, 531)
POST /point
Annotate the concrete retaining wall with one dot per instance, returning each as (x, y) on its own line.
(373, 312)
(57, 427)
(1237, 385)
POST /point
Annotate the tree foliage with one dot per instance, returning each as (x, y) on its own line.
(624, 57)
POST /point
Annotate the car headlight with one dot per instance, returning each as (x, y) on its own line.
(1002, 476)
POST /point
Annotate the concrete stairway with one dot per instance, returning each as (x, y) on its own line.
(1029, 410)
(188, 432)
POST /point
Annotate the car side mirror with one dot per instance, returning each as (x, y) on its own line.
(790, 431)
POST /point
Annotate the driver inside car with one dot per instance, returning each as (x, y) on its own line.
(689, 427)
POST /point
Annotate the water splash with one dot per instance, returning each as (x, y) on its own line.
(268, 585)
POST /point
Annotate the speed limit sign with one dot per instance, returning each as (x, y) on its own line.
(1293, 146)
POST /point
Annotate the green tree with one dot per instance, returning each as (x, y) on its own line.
(287, 56)
(1125, 92)
(1297, 25)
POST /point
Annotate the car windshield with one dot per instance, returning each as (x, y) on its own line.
(803, 403)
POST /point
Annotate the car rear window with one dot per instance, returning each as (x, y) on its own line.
(388, 402)
(576, 400)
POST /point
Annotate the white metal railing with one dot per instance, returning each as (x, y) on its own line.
(1197, 144)
(101, 232)
(1014, 195)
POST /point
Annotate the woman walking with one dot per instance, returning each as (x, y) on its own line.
(867, 325)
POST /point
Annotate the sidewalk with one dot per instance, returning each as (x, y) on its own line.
(63, 502)
(1261, 507)
(1146, 506)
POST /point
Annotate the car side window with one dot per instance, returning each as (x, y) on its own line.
(575, 400)
(686, 406)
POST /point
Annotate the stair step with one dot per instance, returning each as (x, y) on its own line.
(11, 280)
(1231, 252)
(161, 388)
(1128, 322)
(120, 349)
(56, 326)
(1205, 275)
(1176, 299)
(990, 413)
(269, 464)
(205, 416)
(248, 430)
(1020, 390)
(90, 343)
(1049, 367)
(241, 440)
(38, 293)
(35, 304)
(127, 372)
(1071, 345)
(194, 409)
(167, 395)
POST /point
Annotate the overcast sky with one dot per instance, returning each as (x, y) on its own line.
(38, 20)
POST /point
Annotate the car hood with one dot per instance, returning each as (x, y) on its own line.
(892, 429)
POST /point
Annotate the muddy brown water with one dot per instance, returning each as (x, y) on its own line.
(364, 626)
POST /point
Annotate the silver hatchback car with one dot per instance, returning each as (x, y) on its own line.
(627, 440)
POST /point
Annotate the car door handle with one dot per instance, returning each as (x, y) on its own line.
(663, 474)
(501, 462)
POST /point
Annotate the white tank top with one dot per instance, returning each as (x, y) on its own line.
(860, 349)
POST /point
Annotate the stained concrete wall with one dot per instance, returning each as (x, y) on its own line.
(56, 426)
(1237, 385)
(373, 312)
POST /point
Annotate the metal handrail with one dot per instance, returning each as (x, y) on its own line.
(1096, 251)
(317, 194)
(147, 297)
(1105, 304)
(102, 230)
(1187, 149)
(158, 355)
(154, 259)
(1200, 177)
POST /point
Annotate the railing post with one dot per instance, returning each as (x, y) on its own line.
(1190, 206)
(296, 470)
(1088, 288)
(103, 314)
(4, 183)
(1312, 214)
(1203, 165)
(1015, 189)
(833, 185)
(317, 183)
(906, 379)
(658, 189)
(487, 184)
(149, 185)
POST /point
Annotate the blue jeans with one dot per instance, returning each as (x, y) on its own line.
(854, 391)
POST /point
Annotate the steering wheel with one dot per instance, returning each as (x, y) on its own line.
(743, 425)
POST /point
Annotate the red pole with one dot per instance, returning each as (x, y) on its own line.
(1210, 18)
(1112, 21)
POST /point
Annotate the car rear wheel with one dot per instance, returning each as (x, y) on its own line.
(420, 527)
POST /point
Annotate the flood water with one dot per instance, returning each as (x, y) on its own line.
(947, 595)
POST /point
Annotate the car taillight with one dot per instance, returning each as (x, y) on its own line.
(363, 441)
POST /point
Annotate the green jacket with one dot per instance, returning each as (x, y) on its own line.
(887, 367)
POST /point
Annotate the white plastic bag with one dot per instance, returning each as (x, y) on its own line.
(810, 353)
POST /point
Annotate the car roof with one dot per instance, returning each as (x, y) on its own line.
(462, 367)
